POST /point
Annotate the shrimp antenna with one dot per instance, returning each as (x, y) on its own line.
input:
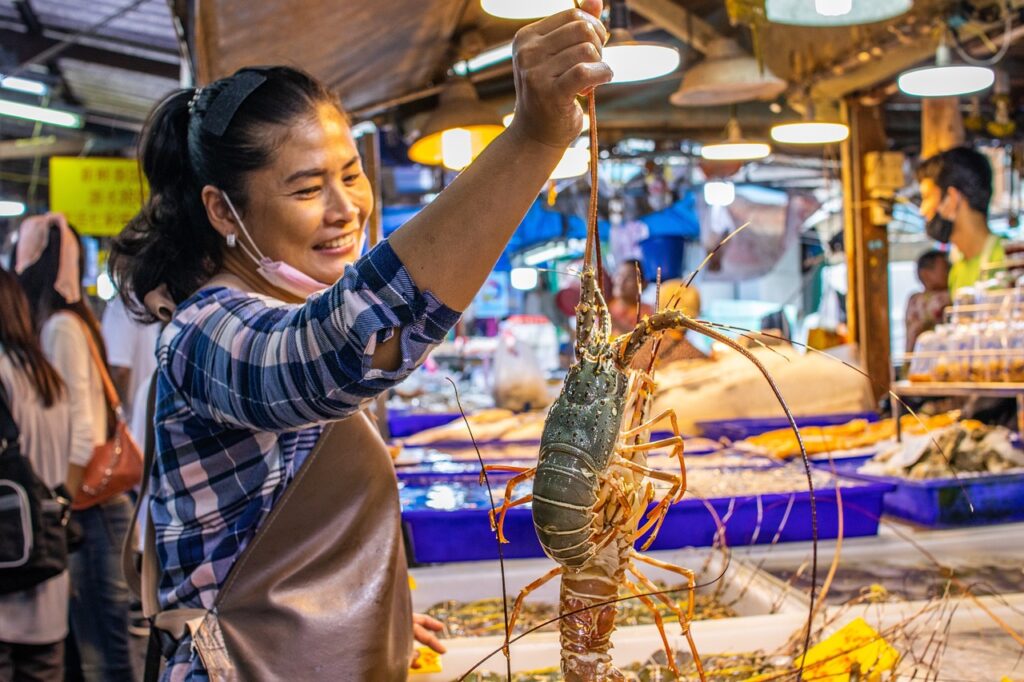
(490, 496)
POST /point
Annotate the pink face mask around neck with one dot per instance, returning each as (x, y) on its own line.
(292, 280)
(278, 273)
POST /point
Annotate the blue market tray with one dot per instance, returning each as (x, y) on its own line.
(449, 522)
(962, 501)
(402, 423)
(738, 429)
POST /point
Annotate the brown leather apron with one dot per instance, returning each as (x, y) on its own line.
(321, 592)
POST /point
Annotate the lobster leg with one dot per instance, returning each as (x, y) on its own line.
(659, 621)
(655, 518)
(508, 503)
(658, 475)
(503, 467)
(691, 582)
(535, 585)
(677, 451)
(499, 525)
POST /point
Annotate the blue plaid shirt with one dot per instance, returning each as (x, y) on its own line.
(245, 384)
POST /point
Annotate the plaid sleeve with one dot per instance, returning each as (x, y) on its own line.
(243, 360)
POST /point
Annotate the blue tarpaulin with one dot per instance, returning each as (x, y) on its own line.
(678, 220)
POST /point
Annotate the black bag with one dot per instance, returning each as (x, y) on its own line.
(33, 518)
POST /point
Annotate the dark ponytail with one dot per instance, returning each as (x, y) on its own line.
(191, 140)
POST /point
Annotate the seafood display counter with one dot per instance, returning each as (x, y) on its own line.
(756, 603)
(889, 584)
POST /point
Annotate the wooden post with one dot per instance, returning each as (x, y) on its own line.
(369, 149)
(867, 250)
(942, 125)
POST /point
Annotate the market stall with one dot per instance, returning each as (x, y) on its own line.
(709, 416)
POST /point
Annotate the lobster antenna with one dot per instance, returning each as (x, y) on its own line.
(715, 250)
(867, 376)
(490, 496)
(675, 318)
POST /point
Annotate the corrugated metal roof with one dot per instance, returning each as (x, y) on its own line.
(113, 91)
(147, 25)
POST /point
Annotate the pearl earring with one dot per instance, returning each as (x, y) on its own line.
(232, 240)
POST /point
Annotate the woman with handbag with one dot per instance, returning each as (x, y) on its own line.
(49, 263)
(33, 621)
(274, 537)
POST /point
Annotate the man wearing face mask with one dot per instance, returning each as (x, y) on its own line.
(956, 187)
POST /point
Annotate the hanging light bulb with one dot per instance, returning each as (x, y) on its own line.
(945, 79)
(525, 9)
(456, 148)
(719, 193)
(735, 148)
(633, 60)
(833, 12)
(470, 126)
(812, 130)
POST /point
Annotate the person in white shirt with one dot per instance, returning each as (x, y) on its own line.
(131, 353)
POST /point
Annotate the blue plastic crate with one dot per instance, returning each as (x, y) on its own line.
(738, 429)
(463, 532)
(402, 423)
(946, 502)
(749, 521)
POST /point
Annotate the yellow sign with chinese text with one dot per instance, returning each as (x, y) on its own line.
(98, 195)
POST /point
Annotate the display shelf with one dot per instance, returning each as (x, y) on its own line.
(939, 389)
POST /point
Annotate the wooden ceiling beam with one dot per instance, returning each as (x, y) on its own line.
(678, 21)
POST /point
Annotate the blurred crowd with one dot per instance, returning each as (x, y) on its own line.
(55, 357)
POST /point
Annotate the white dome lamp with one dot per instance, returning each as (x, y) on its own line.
(945, 79)
(818, 127)
(635, 60)
(833, 12)
(735, 147)
(525, 9)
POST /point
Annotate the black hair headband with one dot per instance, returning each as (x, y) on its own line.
(225, 104)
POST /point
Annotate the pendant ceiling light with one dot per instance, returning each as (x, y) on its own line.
(634, 60)
(727, 75)
(525, 9)
(945, 79)
(833, 12)
(458, 130)
(734, 147)
(813, 129)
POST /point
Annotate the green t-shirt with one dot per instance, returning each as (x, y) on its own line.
(966, 271)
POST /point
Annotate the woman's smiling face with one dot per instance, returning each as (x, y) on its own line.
(308, 207)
